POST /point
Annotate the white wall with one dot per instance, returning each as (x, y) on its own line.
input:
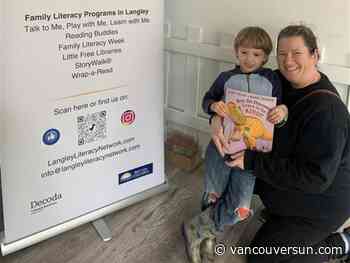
(198, 43)
(329, 19)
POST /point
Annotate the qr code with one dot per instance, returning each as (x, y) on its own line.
(92, 127)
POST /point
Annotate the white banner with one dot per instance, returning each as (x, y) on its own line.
(83, 108)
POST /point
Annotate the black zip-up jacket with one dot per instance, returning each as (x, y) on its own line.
(308, 172)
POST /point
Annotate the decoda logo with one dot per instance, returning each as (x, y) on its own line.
(37, 204)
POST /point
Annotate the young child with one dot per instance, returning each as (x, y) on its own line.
(228, 191)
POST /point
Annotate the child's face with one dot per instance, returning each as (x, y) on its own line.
(250, 59)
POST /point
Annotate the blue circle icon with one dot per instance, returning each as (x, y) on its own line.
(51, 136)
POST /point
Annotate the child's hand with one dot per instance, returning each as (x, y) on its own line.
(217, 134)
(219, 108)
(236, 160)
(277, 114)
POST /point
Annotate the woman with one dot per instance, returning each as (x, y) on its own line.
(304, 182)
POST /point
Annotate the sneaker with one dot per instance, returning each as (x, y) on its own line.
(198, 229)
(347, 230)
(346, 258)
(208, 248)
(192, 242)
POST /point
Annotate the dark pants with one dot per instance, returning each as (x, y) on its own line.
(298, 235)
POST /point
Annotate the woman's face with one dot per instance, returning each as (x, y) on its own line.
(295, 61)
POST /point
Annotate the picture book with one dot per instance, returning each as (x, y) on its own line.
(246, 126)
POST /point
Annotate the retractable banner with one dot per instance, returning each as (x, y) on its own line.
(82, 113)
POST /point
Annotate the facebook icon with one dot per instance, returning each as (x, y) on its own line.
(51, 136)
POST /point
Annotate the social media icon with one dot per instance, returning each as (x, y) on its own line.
(51, 136)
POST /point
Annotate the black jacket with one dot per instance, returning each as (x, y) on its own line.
(308, 172)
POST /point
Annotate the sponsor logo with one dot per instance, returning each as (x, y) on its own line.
(135, 173)
(128, 117)
(37, 206)
(51, 136)
(125, 176)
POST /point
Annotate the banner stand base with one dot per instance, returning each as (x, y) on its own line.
(102, 229)
(7, 248)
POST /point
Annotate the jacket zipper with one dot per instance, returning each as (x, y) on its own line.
(248, 83)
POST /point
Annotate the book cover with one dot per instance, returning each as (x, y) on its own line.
(246, 126)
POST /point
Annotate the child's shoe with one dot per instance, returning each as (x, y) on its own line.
(198, 229)
(208, 248)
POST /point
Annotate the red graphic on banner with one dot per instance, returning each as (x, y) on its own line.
(128, 117)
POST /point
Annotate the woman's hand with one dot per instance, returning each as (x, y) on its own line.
(217, 134)
(220, 108)
(237, 160)
(277, 114)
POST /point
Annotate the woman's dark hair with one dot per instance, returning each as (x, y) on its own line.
(300, 31)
